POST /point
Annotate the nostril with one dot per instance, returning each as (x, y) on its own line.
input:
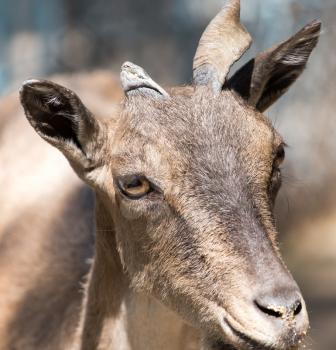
(297, 307)
(279, 306)
(270, 310)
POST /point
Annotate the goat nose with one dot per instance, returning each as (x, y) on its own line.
(280, 304)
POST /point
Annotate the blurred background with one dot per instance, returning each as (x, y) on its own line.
(39, 38)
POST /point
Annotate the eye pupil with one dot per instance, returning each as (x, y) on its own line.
(279, 156)
(136, 182)
(134, 187)
(280, 153)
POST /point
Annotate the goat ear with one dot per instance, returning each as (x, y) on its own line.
(59, 117)
(264, 79)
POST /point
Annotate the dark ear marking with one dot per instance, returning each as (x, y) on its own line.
(269, 75)
(56, 113)
(135, 80)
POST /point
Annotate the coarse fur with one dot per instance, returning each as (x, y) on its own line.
(191, 262)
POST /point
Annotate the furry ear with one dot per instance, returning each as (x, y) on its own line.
(59, 117)
(264, 79)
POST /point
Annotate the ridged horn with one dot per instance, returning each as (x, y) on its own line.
(223, 42)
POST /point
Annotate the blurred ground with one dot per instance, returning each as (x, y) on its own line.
(39, 38)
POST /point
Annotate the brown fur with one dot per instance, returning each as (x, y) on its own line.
(193, 261)
(42, 265)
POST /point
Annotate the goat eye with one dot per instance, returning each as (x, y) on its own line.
(279, 156)
(275, 183)
(134, 186)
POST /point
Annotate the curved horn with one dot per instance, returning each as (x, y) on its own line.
(135, 79)
(223, 42)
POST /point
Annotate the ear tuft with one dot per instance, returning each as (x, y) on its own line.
(303, 43)
(269, 75)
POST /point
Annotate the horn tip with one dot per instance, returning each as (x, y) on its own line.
(234, 7)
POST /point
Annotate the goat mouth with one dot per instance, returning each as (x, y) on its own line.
(244, 342)
(239, 340)
(251, 345)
